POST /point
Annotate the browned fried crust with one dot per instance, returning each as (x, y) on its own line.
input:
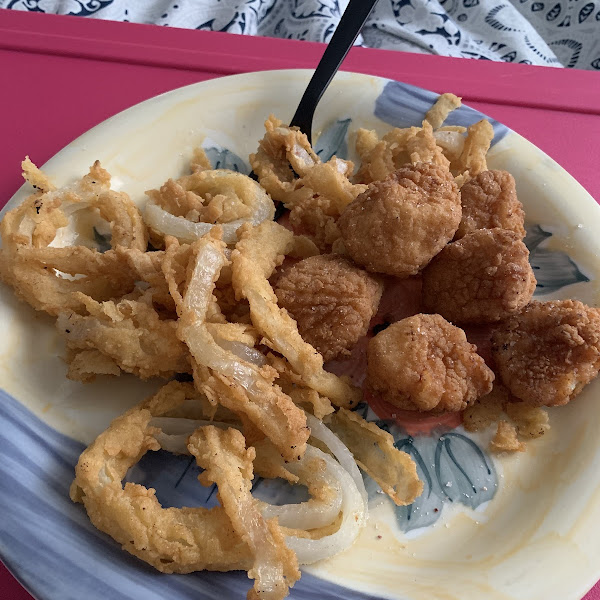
(482, 278)
(488, 201)
(399, 224)
(331, 300)
(548, 352)
(425, 363)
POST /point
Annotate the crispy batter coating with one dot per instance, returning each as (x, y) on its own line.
(397, 148)
(227, 462)
(443, 106)
(314, 219)
(505, 439)
(128, 332)
(332, 301)
(486, 410)
(472, 160)
(170, 539)
(196, 199)
(548, 352)
(36, 178)
(489, 201)
(315, 192)
(399, 224)
(375, 453)
(84, 365)
(482, 278)
(425, 363)
(530, 421)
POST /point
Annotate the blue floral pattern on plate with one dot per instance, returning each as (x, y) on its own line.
(222, 158)
(553, 269)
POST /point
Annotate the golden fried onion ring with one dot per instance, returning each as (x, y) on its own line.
(47, 277)
(334, 485)
(170, 539)
(173, 540)
(36, 259)
(231, 537)
(236, 187)
(44, 218)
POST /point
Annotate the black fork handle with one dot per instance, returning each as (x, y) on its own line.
(346, 32)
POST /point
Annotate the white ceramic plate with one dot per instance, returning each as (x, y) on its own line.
(516, 528)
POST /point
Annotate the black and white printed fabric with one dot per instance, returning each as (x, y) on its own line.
(540, 32)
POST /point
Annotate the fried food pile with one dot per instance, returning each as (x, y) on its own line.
(187, 298)
(242, 317)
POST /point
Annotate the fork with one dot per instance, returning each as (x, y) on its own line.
(343, 38)
(345, 35)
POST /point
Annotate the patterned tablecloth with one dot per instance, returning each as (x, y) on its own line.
(538, 32)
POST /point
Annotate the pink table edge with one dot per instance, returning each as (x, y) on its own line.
(494, 82)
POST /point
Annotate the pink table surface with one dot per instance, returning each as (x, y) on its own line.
(62, 75)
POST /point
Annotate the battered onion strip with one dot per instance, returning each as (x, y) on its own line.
(46, 278)
(175, 432)
(129, 332)
(472, 160)
(308, 399)
(211, 183)
(254, 260)
(126, 223)
(35, 177)
(239, 385)
(315, 472)
(375, 453)
(227, 462)
(443, 106)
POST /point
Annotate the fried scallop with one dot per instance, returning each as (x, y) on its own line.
(549, 352)
(425, 363)
(399, 224)
(331, 300)
(489, 201)
(482, 278)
